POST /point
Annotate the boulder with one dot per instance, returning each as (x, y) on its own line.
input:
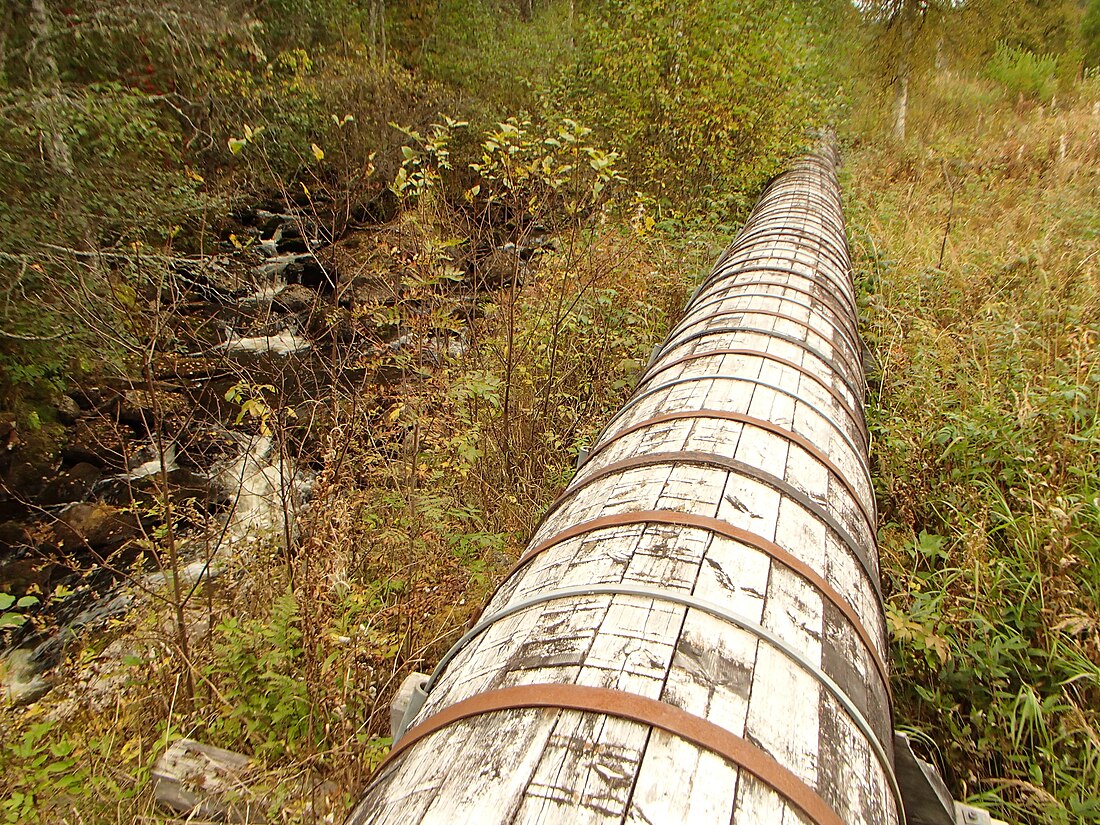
(96, 526)
(20, 681)
(68, 411)
(296, 298)
(145, 409)
(74, 484)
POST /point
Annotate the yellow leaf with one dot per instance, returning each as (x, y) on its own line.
(318, 152)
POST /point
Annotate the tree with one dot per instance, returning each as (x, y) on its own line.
(1090, 33)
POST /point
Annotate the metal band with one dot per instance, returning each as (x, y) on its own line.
(768, 333)
(692, 602)
(726, 530)
(825, 295)
(731, 465)
(823, 260)
(854, 356)
(752, 262)
(690, 379)
(687, 726)
(845, 305)
(731, 292)
(861, 425)
(783, 245)
(870, 515)
(753, 235)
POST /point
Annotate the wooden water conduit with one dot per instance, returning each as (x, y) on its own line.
(694, 633)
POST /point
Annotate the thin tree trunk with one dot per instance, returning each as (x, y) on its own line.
(51, 101)
(901, 105)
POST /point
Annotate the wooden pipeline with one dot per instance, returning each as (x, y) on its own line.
(694, 633)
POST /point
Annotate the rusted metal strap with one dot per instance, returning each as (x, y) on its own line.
(731, 465)
(718, 527)
(726, 280)
(845, 287)
(869, 514)
(730, 270)
(856, 356)
(656, 714)
(877, 742)
(799, 240)
(840, 307)
(841, 320)
(840, 372)
(830, 217)
(857, 451)
(861, 425)
(825, 271)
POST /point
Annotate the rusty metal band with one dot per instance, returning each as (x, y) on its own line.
(843, 295)
(823, 297)
(787, 266)
(635, 708)
(740, 248)
(803, 205)
(814, 198)
(716, 283)
(641, 392)
(772, 254)
(732, 465)
(637, 398)
(839, 371)
(852, 356)
(841, 331)
(718, 527)
(875, 741)
(839, 316)
(858, 449)
(857, 419)
(761, 243)
(761, 424)
(830, 267)
(805, 239)
(792, 205)
(794, 218)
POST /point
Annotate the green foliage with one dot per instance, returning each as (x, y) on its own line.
(697, 95)
(1022, 73)
(255, 665)
(1090, 33)
(11, 609)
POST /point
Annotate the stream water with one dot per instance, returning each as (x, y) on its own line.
(283, 328)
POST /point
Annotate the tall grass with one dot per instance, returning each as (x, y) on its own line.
(978, 258)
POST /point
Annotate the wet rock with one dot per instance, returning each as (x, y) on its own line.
(97, 526)
(382, 289)
(23, 575)
(382, 208)
(145, 409)
(13, 534)
(296, 298)
(68, 411)
(74, 484)
(27, 476)
(99, 442)
(302, 269)
(21, 681)
(498, 268)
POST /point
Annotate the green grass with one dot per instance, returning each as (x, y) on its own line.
(984, 410)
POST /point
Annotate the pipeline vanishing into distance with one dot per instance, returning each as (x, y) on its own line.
(695, 632)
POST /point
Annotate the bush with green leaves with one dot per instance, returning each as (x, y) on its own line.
(1023, 73)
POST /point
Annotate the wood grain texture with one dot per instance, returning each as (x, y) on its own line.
(782, 297)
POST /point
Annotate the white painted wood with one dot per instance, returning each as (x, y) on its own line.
(547, 766)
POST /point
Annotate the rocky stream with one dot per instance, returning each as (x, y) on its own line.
(214, 446)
